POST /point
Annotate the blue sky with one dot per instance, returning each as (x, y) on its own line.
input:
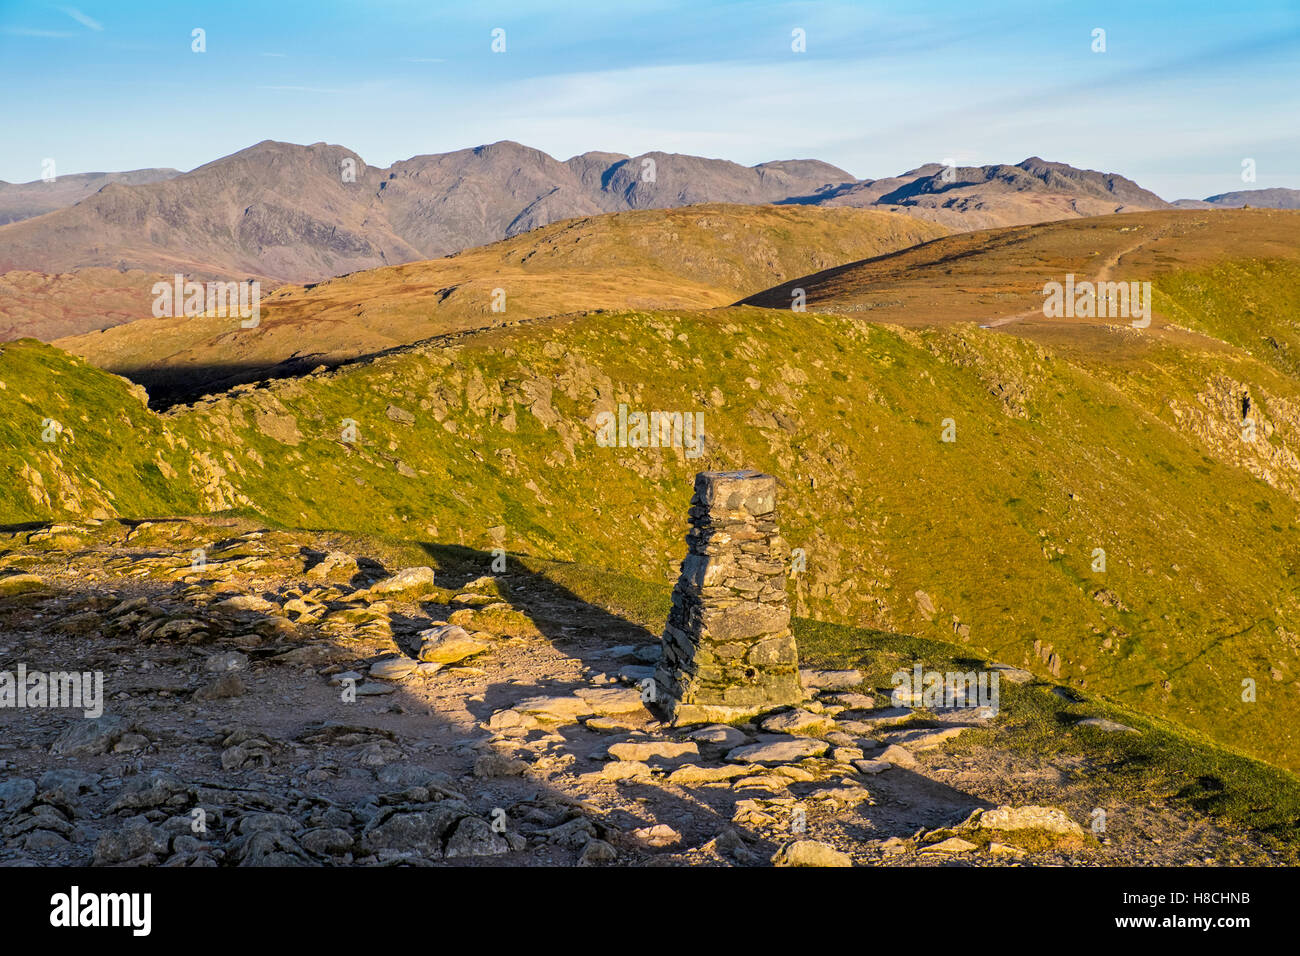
(1183, 93)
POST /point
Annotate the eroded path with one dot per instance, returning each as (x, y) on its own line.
(1103, 274)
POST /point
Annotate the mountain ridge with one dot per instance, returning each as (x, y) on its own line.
(284, 212)
(19, 201)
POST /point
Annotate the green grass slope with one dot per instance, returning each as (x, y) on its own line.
(1130, 446)
(77, 441)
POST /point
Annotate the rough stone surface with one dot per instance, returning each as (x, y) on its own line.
(393, 668)
(898, 756)
(88, 738)
(951, 845)
(611, 700)
(830, 680)
(728, 651)
(408, 579)
(447, 644)
(796, 721)
(872, 766)
(810, 853)
(779, 751)
(1047, 819)
(718, 735)
(474, 837)
(653, 750)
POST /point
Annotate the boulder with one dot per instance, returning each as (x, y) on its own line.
(810, 853)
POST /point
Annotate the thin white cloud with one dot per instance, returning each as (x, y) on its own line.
(85, 21)
(29, 32)
(300, 89)
(278, 55)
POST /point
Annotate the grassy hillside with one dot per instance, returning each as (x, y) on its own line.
(1253, 305)
(694, 257)
(998, 274)
(43, 306)
(77, 441)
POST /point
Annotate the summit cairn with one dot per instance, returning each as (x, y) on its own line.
(728, 651)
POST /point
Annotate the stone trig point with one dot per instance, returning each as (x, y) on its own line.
(728, 651)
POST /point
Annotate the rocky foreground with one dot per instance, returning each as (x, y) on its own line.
(271, 699)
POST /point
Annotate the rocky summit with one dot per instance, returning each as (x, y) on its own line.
(277, 698)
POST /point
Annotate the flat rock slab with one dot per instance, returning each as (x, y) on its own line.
(393, 668)
(872, 766)
(554, 708)
(871, 721)
(830, 680)
(690, 773)
(851, 701)
(653, 750)
(1109, 726)
(798, 722)
(586, 702)
(611, 725)
(621, 770)
(951, 845)
(608, 701)
(779, 751)
(841, 796)
(17, 794)
(925, 738)
(719, 735)
(89, 738)
(511, 720)
(246, 604)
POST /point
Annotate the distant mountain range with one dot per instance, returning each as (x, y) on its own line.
(20, 201)
(1255, 198)
(288, 213)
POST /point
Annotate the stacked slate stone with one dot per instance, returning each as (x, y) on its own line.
(728, 651)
